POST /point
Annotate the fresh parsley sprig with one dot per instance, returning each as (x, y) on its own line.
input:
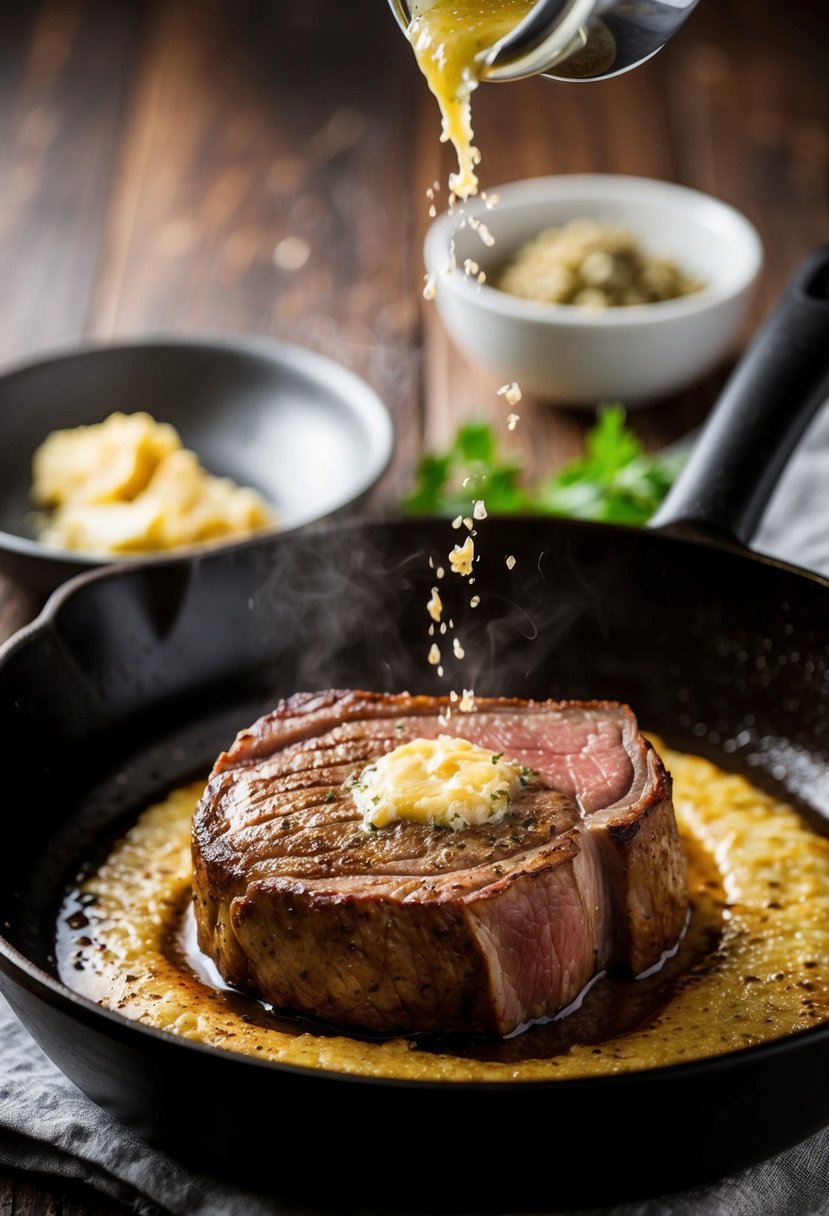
(614, 481)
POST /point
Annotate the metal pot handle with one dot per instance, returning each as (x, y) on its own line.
(772, 395)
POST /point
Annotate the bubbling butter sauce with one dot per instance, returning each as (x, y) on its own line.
(449, 38)
(753, 965)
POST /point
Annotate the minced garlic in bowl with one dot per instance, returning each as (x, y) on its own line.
(591, 264)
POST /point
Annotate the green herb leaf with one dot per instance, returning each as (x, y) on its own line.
(613, 481)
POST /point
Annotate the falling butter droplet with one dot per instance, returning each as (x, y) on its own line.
(475, 601)
(462, 557)
(458, 649)
(510, 562)
(511, 392)
(512, 421)
(435, 605)
(434, 655)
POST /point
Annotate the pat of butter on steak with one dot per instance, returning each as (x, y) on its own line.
(415, 927)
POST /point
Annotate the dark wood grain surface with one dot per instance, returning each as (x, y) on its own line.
(153, 156)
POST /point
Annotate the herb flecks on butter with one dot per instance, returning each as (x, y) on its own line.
(445, 782)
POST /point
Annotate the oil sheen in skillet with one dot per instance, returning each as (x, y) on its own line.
(753, 966)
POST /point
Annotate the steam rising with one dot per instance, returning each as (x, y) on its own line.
(345, 608)
(588, 612)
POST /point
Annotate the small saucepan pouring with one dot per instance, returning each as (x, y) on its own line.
(578, 39)
(132, 680)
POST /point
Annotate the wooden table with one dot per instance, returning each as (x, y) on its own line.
(153, 156)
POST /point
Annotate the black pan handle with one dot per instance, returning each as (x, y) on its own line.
(764, 409)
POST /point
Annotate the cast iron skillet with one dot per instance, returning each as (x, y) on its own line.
(132, 681)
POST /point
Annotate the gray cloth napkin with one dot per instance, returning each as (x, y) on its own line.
(47, 1125)
(796, 526)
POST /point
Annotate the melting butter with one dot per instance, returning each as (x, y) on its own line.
(446, 782)
(450, 39)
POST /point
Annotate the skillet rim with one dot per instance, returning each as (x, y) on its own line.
(58, 995)
(40, 983)
(680, 532)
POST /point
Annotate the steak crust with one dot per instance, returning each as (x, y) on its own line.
(417, 928)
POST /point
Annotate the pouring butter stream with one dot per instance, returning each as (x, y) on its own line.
(458, 43)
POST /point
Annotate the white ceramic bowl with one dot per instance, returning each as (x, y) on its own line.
(633, 354)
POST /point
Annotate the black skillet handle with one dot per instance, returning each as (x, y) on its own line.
(764, 409)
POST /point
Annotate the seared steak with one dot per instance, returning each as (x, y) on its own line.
(419, 928)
